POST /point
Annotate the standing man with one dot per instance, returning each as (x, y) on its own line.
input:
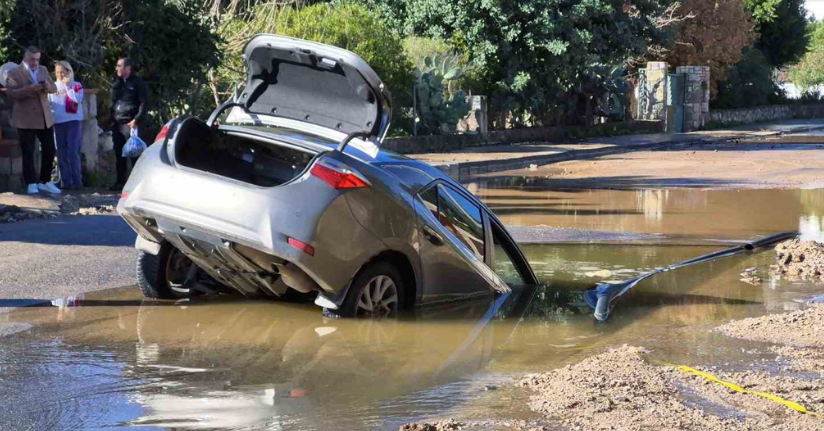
(28, 86)
(130, 101)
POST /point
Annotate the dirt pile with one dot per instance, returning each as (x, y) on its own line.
(621, 390)
(489, 425)
(15, 208)
(750, 276)
(618, 389)
(13, 214)
(761, 413)
(88, 204)
(799, 259)
(801, 334)
(446, 425)
(803, 328)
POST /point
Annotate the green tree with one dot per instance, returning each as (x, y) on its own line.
(749, 84)
(174, 48)
(353, 27)
(715, 37)
(171, 43)
(809, 72)
(781, 27)
(349, 26)
(527, 55)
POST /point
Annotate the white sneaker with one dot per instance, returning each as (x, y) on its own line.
(32, 190)
(49, 187)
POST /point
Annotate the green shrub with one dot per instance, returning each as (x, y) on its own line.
(749, 84)
(353, 27)
(438, 109)
(419, 48)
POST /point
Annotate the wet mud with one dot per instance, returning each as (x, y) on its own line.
(780, 163)
(625, 389)
(801, 260)
(796, 336)
(16, 208)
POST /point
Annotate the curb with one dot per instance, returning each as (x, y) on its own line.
(465, 171)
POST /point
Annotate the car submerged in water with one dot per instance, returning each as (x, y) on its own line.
(285, 192)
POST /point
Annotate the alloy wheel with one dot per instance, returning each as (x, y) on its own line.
(379, 297)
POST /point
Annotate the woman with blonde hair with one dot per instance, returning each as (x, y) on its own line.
(67, 109)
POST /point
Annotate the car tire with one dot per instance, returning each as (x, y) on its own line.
(378, 285)
(152, 274)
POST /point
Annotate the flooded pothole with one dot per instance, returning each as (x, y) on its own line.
(111, 359)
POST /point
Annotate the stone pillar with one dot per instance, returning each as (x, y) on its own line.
(696, 96)
(11, 158)
(476, 120)
(90, 130)
(655, 98)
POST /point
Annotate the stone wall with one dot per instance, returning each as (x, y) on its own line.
(751, 115)
(443, 143)
(696, 96)
(765, 114)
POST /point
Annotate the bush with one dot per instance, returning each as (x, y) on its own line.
(354, 28)
(749, 84)
(809, 72)
(92, 37)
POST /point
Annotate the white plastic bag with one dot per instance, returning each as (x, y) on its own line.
(134, 146)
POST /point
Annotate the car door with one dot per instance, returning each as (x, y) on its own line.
(453, 245)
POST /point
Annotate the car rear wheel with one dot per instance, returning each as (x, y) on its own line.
(163, 276)
(377, 291)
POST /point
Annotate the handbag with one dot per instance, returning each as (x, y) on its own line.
(71, 105)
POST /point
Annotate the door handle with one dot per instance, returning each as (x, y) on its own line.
(432, 236)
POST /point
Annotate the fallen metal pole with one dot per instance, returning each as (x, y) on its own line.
(602, 296)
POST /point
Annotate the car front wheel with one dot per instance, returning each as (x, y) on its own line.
(163, 276)
(377, 291)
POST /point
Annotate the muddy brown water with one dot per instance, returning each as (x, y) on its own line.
(112, 360)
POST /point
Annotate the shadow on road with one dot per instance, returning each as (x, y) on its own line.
(91, 230)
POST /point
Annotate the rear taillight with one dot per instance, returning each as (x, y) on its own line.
(163, 132)
(338, 178)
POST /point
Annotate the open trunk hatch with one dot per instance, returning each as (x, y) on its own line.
(314, 83)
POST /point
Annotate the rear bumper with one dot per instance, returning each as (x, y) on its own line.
(239, 233)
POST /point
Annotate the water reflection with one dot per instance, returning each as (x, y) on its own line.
(227, 363)
(677, 213)
(223, 363)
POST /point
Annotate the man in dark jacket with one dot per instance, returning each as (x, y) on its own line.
(130, 103)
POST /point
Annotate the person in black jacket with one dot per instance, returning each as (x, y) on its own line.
(130, 102)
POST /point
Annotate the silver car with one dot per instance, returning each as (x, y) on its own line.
(284, 192)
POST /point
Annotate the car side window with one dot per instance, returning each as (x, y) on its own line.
(502, 262)
(463, 218)
(430, 200)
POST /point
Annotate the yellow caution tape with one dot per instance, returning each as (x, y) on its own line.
(793, 405)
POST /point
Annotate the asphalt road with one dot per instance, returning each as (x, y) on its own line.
(54, 258)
